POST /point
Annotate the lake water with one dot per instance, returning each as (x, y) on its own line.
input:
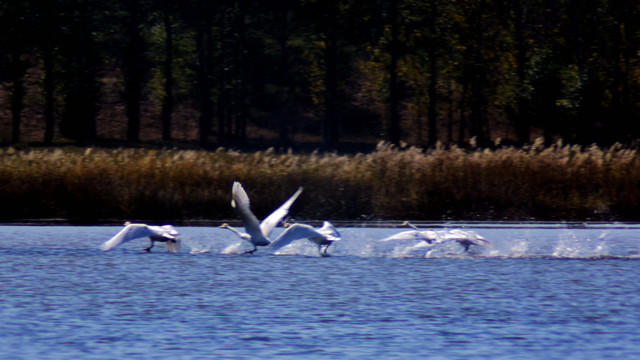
(546, 291)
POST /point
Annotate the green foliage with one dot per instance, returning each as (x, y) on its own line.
(183, 66)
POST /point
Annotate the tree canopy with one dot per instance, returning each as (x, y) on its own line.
(284, 72)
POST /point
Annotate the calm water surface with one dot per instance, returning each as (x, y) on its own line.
(541, 292)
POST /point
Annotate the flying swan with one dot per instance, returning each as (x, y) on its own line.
(323, 237)
(257, 233)
(167, 234)
(429, 236)
(462, 237)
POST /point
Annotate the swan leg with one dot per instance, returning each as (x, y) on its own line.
(148, 249)
(323, 252)
(251, 251)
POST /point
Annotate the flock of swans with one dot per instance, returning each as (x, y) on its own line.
(258, 233)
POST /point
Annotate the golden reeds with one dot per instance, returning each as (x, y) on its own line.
(535, 182)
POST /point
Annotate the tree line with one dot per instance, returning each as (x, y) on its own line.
(419, 71)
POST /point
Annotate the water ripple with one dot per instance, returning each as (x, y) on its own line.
(537, 293)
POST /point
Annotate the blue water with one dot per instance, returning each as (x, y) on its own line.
(551, 292)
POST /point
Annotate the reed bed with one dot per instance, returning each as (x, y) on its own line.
(559, 182)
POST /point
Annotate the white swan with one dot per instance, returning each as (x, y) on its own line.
(429, 236)
(167, 234)
(465, 238)
(257, 233)
(323, 237)
(462, 237)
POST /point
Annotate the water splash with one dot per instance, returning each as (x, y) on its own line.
(514, 243)
(236, 248)
(506, 243)
(572, 247)
(200, 245)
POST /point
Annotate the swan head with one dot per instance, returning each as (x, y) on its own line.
(224, 226)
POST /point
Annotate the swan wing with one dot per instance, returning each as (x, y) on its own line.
(166, 231)
(328, 229)
(292, 233)
(130, 232)
(275, 217)
(479, 240)
(241, 205)
(462, 236)
(451, 235)
(407, 235)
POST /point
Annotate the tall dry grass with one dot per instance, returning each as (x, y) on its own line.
(535, 182)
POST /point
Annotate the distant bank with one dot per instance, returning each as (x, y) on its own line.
(534, 183)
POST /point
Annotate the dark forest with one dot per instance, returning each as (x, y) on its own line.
(281, 73)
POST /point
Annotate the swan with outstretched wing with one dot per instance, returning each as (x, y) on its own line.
(429, 236)
(323, 236)
(166, 233)
(465, 238)
(257, 233)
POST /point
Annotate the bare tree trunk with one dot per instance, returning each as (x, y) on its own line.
(393, 124)
(330, 135)
(463, 115)
(432, 112)
(134, 68)
(281, 108)
(450, 113)
(47, 60)
(522, 123)
(204, 48)
(17, 93)
(167, 105)
(240, 86)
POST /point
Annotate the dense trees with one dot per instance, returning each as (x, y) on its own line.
(232, 72)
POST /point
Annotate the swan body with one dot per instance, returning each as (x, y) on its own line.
(323, 236)
(462, 237)
(465, 238)
(167, 234)
(257, 233)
